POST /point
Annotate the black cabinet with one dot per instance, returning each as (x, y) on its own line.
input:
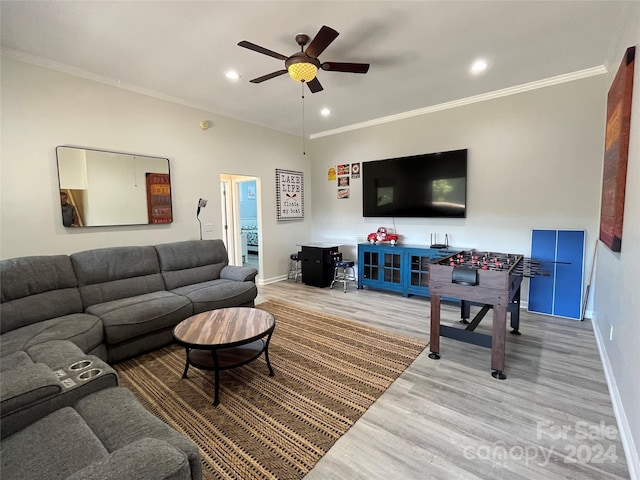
(318, 264)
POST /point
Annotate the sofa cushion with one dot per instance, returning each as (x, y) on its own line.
(118, 419)
(107, 274)
(218, 294)
(14, 360)
(189, 262)
(37, 288)
(64, 443)
(80, 328)
(56, 353)
(25, 385)
(144, 459)
(138, 315)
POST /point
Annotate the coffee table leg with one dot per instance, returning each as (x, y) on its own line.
(186, 367)
(216, 397)
(266, 354)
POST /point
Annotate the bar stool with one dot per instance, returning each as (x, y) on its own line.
(344, 273)
(295, 266)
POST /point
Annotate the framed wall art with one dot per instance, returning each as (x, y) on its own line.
(616, 152)
(159, 198)
(289, 195)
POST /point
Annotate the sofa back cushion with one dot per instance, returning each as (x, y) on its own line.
(107, 274)
(37, 288)
(192, 261)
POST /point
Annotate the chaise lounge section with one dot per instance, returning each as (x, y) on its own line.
(104, 435)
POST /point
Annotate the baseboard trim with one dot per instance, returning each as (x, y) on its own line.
(267, 281)
(630, 450)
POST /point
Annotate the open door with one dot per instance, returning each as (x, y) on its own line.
(241, 222)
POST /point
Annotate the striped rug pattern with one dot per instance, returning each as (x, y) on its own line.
(328, 372)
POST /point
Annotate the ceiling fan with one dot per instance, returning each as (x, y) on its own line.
(302, 66)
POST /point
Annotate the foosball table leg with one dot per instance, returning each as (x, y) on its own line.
(514, 310)
(498, 341)
(465, 312)
(434, 337)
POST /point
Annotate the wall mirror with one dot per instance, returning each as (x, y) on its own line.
(110, 188)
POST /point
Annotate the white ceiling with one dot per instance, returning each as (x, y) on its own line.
(420, 51)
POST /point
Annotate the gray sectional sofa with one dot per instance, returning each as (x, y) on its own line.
(65, 317)
(117, 302)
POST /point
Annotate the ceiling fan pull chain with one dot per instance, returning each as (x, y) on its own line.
(303, 149)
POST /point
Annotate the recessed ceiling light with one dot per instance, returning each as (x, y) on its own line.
(325, 112)
(232, 75)
(479, 66)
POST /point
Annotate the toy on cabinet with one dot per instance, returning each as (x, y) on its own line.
(383, 236)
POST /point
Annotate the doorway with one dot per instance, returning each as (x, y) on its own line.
(240, 219)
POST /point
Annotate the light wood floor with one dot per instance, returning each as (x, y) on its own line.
(551, 418)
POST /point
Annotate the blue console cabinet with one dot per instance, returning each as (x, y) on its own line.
(398, 268)
(562, 254)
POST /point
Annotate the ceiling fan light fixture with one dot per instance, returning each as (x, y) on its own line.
(302, 71)
(301, 67)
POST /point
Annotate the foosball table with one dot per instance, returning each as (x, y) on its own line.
(488, 279)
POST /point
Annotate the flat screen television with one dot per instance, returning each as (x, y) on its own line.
(429, 185)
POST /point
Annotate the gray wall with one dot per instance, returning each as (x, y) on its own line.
(534, 162)
(43, 108)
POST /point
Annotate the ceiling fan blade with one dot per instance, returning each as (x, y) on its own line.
(346, 67)
(314, 85)
(268, 76)
(322, 40)
(259, 49)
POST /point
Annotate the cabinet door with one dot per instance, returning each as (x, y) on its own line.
(391, 268)
(419, 265)
(370, 265)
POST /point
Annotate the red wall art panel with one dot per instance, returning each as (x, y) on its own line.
(616, 153)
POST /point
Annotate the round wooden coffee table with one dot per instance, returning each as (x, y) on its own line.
(225, 338)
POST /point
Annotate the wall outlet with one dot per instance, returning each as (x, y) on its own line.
(610, 332)
(208, 227)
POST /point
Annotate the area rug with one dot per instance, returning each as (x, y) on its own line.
(328, 372)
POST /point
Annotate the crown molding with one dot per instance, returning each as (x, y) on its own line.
(78, 72)
(525, 87)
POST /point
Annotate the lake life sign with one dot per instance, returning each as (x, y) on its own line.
(289, 194)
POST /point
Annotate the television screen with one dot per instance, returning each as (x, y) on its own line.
(429, 185)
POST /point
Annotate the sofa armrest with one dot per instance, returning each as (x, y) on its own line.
(144, 459)
(239, 274)
(25, 385)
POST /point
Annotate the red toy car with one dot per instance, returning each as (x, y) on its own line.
(382, 236)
